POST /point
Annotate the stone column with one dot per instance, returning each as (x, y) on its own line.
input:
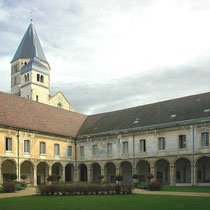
(117, 171)
(35, 176)
(193, 175)
(1, 177)
(18, 173)
(172, 175)
(152, 171)
(63, 174)
(89, 175)
(50, 171)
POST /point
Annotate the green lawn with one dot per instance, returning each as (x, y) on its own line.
(102, 202)
(186, 189)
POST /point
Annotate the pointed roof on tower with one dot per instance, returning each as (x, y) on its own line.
(30, 46)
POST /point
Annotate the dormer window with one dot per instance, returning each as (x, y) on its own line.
(59, 105)
(25, 63)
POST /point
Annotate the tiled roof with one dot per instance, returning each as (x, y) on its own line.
(24, 113)
(30, 46)
(179, 109)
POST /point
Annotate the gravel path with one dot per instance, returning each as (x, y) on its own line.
(28, 191)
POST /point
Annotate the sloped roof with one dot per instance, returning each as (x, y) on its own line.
(24, 113)
(35, 64)
(29, 44)
(179, 109)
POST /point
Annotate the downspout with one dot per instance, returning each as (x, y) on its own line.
(134, 171)
(75, 157)
(193, 154)
(18, 154)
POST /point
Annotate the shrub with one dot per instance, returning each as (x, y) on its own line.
(119, 178)
(12, 177)
(24, 177)
(117, 189)
(53, 178)
(126, 188)
(8, 187)
(154, 186)
(149, 176)
(100, 177)
(135, 176)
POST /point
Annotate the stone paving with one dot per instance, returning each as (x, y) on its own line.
(27, 192)
(140, 191)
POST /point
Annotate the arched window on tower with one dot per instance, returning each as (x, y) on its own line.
(42, 78)
(28, 77)
(38, 78)
(25, 76)
(37, 98)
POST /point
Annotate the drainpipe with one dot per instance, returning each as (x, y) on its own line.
(193, 153)
(18, 153)
(75, 158)
(134, 171)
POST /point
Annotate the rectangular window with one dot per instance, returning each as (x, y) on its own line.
(205, 139)
(8, 144)
(26, 146)
(57, 149)
(95, 149)
(142, 145)
(161, 142)
(109, 149)
(125, 147)
(42, 148)
(182, 141)
(81, 151)
(69, 151)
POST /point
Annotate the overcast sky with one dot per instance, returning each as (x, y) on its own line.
(114, 54)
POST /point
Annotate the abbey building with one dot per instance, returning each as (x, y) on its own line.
(42, 135)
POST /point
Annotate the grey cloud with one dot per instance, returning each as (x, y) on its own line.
(160, 84)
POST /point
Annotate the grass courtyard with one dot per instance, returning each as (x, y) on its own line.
(198, 189)
(103, 202)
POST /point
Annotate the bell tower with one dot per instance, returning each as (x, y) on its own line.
(30, 71)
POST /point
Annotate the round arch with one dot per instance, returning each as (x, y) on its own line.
(8, 167)
(203, 169)
(142, 169)
(69, 172)
(42, 172)
(83, 177)
(162, 171)
(183, 170)
(110, 172)
(95, 170)
(27, 168)
(126, 171)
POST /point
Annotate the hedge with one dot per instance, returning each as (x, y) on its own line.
(84, 189)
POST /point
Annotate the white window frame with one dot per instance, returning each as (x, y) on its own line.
(26, 146)
(142, 145)
(42, 149)
(69, 151)
(125, 147)
(95, 150)
(205, 139)
(57, 149)
(82, 152)
(8, 144)
(182, 142)
(161, 143)
(109, 148)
